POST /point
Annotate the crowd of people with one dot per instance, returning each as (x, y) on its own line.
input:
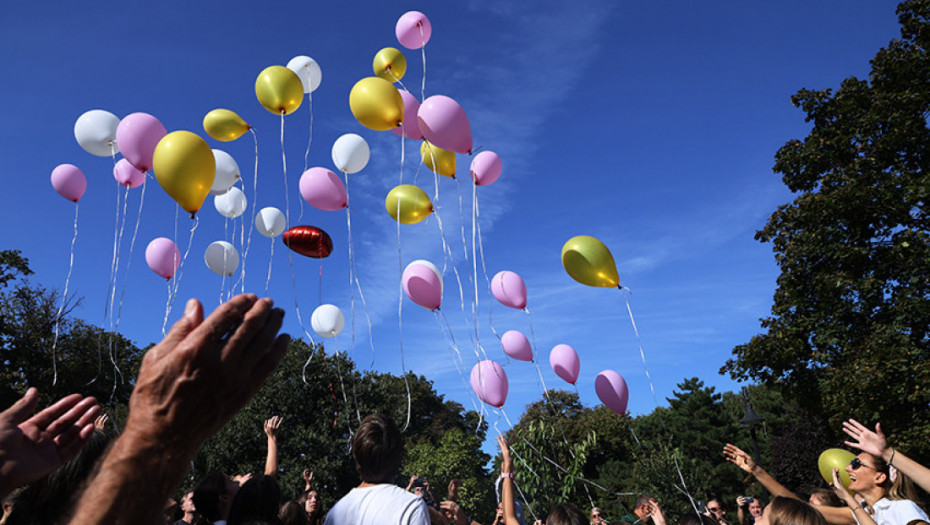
(57, 466)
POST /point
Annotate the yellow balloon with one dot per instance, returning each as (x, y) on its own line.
(835, 458)
(279, 90)
(408, 204)
(437, 159)
(390, 64)
(376, 104)
(224, 125)
(184, 166)
(589, 262)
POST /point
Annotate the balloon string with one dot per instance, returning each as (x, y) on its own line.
(353, 273)
(119, 248)
(300, 320)
(270, 260)
(484, 267)
(423, 56)
(174, 288)
(287, 193)
(64, 296)
(248, 243)
(342, 386)
(474, 262)
(460, 362)
(106, 305)
(307, 152)
(320, 285)
(226, 238)
(398, 80)
(400, 303)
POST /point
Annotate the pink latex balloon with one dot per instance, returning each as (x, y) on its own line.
(489, 381)
(69, 181)
(612, 391)
(485, 168)
(410, 126)
(323, 189)
(517, 346)
(564, 361)
(163, 257)
(137, 135)
(413, 30)
(509, 289)
(128, 175)
(444, 123)
(423, 284)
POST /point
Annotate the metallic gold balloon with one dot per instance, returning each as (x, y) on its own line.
(437, 159)
(279, 90)
(390, 64)
(408, 204)
(589, 262)
(224, 125)
(184, 166)
(376, 104)
(835, 458)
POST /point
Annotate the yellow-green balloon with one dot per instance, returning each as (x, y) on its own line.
(224, 125)
(835, 458)
(589, 262)
(408, 204)
(376, 104)
(437, 159)
(279, 90)
(390, 64)
(185, 167)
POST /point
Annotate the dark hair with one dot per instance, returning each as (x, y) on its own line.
(49, 498)
(643, 499)
(566, 514)
(790, 511)
(318, 516)
(293, 513)
(827, 497)
(207, 495)
(378, 448)
(256, 501)
(696, 519)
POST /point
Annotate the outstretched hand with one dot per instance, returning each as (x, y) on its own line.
(739, 458)
(506, 461)
(865, 440)
(272, 425)
(31, 447)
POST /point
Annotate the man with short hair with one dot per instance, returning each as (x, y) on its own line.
(187, 507)
(642, 510)
(213, 497)
(378, 448)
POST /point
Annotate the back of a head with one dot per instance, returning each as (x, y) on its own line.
(826, 497)
(696, 519)
(293, 513)
(566, 514)
(378, 448)
(207, 495)
(256, 500)
(790, 511)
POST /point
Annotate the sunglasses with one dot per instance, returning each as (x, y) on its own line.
(856, 463)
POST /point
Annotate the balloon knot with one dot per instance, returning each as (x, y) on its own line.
(193, 215)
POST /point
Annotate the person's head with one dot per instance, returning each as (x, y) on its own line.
(642, 508)
(716, 508)
(790, 511)
(292, 513)
(256, 500)
(596, 515)
(825, 497)
(313, 505)
(214, 495)
(696, 519)
(377, 448)
(187, 503)
(565, 514)
(755, 508)
(870, 475)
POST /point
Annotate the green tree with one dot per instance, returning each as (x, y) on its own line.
(849, 334)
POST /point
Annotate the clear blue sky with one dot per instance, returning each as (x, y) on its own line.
(650, 125)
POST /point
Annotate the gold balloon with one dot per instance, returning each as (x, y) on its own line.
(184, 166)
(279, 90)
(390, 64)
(589, 262)
(835, 458)
(376, 104)
(224, 125)
(437, 159)
(408, 204)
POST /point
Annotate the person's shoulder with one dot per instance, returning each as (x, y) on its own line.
(908, 507)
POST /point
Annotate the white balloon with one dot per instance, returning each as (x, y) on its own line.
(221, 258)
(227, 172)
(95, 131)
(350, 153)
(230, 204)
(327, 320)
(270, 222)
(308, 71)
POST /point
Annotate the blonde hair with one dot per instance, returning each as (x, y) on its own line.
(789, 511)
(901, 488)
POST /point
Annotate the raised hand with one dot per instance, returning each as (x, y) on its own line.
(272, 425)
(739, 458)
(865, 440)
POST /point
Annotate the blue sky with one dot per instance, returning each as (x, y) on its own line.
(650, 125)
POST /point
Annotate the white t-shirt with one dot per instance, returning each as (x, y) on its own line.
(896, 512)
(384, 504)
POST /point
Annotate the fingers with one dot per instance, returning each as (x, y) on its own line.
(193, 317)
(78, 415)
(23, 407)
(224, 318)
(264, 339)
(241, 337)
(63, 406)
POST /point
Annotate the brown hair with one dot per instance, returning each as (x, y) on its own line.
(827, 498)
(790, 511)
(378, 448)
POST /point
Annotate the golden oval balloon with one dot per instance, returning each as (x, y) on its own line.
(376, 104)
(279, 90)
(835, 458)
(390, 64)
(408, 204)
(185, 167)
(589, 262)
(224, 125)
(438, 160)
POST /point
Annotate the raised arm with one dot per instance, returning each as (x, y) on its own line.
(745, 462)
(188, 387)
(271, 460)
(875, 443)
(507, 498)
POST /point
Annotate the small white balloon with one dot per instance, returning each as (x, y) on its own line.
(350, 153)
(270, 222)
(327, 320)
(227, 172)
(230, 204)
(95, 131)
(308, 71)
(222, 258)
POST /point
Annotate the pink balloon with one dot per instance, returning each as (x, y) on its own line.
(485, 168)
(517, 346)
(128, 175)
(444, 123)
(163, 257)
(410, 127)
(564, 360)
(612, 391)
(489, 381)
(69, 181)
(137, 135)
(413, 30)
(423, 284)
(323, 189)
(509, 289)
